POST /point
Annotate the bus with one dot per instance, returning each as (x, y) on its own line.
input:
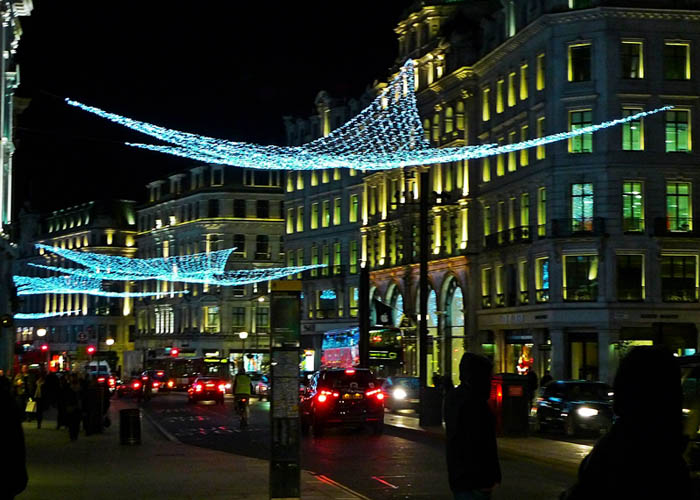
(184, 370)
(341, 349)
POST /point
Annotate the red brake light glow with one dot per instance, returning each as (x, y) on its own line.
(160, 374)
(171, 383)
(136, 385)
(198, 387)
(156, 384)
(222, 387)
(100, 379)
(350, 371)
(322, 398)
(377, 393)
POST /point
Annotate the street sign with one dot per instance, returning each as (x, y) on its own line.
(285, 355)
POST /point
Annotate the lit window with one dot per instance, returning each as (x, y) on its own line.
(632, 131)
(290, 182)
(485, 111)
(300, 219)
(541, 151)
(679, 278)
(580, 278)
(325, 260)
(337, 255)
(314, 260)
(314, 178)
(525, 210)
(460, 116)
(542, 211)
(523, 82)
(486, 276)
(541, 68)
(486, 169)
(512, 165)
(511, 89)
(449, 120)
(524, 153)
(578, 120)
(325, 176)
(354, 207)
(582, 207)
(580, 4)
(679, 214)
(499, 96)
(632, 59)
(522, 282)
(542, 279)
(632, 207)
(677, 61)
(487, 220)
(353, 256)
(630, 277)
(326, 218)
(436, 128)
(499, 160)
(336, 212)
(290, 220)
(579, 63)
(300, 180)
(678, 138)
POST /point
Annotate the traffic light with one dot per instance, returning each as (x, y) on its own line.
(44, 347)
(91, 350)
(174, 352)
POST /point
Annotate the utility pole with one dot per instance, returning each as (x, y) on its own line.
(364, 314)
(424, 255)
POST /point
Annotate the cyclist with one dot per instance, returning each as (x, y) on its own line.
(241, 390)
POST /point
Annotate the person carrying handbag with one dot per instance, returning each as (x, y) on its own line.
(39, 400)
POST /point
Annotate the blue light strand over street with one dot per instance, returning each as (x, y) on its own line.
(387, 134)
(29, 285)
(44, 315)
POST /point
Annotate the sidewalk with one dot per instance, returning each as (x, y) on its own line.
(550, 451)
(99, 468)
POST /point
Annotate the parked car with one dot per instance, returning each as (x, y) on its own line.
(342, 397)
(574, 406)
(402, 393)
(261, 385)
(690, 378)
(207, 389)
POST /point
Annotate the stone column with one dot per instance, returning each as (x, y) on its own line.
(607, 360)
(558, 353)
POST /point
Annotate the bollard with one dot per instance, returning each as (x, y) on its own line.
(130, 426)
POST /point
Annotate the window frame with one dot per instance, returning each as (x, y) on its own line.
(571, 71)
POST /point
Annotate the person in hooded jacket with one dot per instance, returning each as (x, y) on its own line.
(642, 455)
(472, 456)
(13, 474)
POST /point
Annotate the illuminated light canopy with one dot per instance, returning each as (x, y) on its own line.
(327, 295)
(28, 285)
(387, 134)
(43, 315)
(183, 265)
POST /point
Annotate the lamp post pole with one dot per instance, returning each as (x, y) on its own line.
(424, 254)
(243, 336)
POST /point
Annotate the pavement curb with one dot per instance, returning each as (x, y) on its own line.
(159, 427)
(325, 479)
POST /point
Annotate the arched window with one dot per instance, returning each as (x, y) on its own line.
(455, 326)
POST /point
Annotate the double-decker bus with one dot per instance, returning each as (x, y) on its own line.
(184, 370)
(341, 349)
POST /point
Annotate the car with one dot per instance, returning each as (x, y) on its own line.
(261, 385)
(129, 387)
(690, 378)
(207, 389)
(159, 381)
(336, 397)
(402, 393)
(574, 406)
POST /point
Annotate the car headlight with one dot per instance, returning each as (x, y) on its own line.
(399, 394)
(587, 412)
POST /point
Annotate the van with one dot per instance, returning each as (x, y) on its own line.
(98, 368)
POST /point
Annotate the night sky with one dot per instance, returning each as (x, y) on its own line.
(225, 68)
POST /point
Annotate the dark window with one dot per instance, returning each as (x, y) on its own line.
(262, 247)
(581, 278)
(238, 317)
(262, 319)
(678, 275)
(213, 208)
(630, 277)
(580, 70)
(676, 61)
(239, 209)
(263, 209)
(631, 55)
(239, 244)
(217, 176)
(132, 333)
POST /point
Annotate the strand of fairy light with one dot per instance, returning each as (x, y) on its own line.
(387, 134)
(43, 315)
(30, 285)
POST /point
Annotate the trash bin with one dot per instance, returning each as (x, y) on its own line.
(130, 426)
(431, 406)
(510, 404)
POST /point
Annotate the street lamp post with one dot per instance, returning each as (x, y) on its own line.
(243, 336)
(41, 332)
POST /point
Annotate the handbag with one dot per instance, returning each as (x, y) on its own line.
(31, 406)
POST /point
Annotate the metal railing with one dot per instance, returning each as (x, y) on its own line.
(674, 226)
(582, 293)
(631, 294)
(684, 294)
(542, 295)
(589, 226)
(500, 300)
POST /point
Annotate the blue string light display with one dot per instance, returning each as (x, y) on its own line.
(43, 315)
(29, 285)
(387, 134)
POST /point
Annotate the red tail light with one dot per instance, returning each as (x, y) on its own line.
(144, 377)
(222, 387)
(136, 385)
(198, 387)
(324, 395)
(160, 374)
(171, 383)
(322, 398)
(350, 371)
(377, 393)
(156, 384)
(101, 379)
(111, 381)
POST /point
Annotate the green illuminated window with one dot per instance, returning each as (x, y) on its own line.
(326, 218)
(354, 207)
(632, 207)
(679, 215)
(578, 120)
(678, 131)
(633, 131)
(336, 211)
(314, 259)
(581, 207)
(314, 216)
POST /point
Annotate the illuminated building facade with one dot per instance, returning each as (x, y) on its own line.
(561, 257)
(107, 227)
(203, 209)
(10, 33)
(322, 224)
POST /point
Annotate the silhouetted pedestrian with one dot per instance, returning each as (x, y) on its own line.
(546, 378)
(19, 389)
(472, 457)
(39, 399)
(52, 386)
(61, 394)
(72, 398)
(531, 384)
(13, 473)
(642, 455)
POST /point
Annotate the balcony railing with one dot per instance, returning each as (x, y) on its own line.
(590, 226)
(635, 294)
(524, 297)
(510, 236)
(675, 226)
(500, 300)
(582, 293)
(542, 295)
(486, 302)
(685, 294)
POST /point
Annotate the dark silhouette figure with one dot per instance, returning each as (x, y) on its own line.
(532, 384)
(40, 399)
(73, 398)
(546, 378)
(13, 474)
(641, 456)
(52, 385)
(472, 457)
(62, 417)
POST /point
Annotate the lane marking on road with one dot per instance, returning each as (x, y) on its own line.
(329, 481)
(160, 428)
(386, 483)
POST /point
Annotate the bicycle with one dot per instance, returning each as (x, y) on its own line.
(241, 405)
